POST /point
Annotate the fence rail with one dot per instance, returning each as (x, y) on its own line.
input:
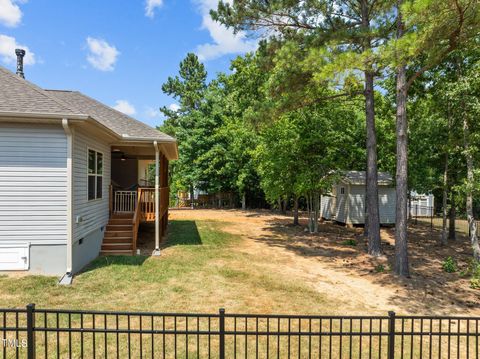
(44, 333)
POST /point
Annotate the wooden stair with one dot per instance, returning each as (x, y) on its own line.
(118, 237)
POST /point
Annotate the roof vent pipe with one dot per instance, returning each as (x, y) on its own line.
(20, 54)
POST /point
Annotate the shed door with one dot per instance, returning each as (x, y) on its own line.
(14, 256)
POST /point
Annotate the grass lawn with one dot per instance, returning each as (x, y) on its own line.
(249, 262)
(200, 270)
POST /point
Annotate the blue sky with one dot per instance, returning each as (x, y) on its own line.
(117, 51)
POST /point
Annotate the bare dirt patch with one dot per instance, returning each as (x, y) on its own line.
(329, 264)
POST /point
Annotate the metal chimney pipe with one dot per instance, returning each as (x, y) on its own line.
(20, 54)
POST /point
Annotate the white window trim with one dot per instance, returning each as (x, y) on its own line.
(96, 175)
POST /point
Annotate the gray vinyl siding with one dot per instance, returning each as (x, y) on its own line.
(386, 204)
(33, 183)
(357, 204)
(341, 202)
(94, 213)
(325, 207)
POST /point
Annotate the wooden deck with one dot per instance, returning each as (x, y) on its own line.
(121, 234)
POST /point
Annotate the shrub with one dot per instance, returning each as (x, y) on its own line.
(473, 270)
(475, 283)
(380, 268)
(350, 242)
(450, 265)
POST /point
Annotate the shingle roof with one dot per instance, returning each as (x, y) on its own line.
(20, 96)
(360, 177)
(116, 121)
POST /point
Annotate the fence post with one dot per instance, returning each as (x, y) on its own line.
(31, 331)
(222, 334)
(391, 335)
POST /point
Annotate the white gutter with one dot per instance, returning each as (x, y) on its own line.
(45, 115)
(67, 278)
(157, 199)
(167, 139)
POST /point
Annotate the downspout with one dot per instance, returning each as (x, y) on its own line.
(156, 252)
(67, 278)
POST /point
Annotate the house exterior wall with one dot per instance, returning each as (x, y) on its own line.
(421, 205)
(89, 217)
(33, 186)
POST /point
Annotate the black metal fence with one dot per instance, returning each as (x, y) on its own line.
(43, 333)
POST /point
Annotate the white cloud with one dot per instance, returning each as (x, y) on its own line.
(224, 40)
(8, 45)
(124, 106)
(150, 6)
(10, 13)
(151, 112)
(102, 55)
(174, 107)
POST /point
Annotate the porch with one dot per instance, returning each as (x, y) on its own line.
(139, 193)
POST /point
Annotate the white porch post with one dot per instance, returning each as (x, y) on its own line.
(156, 252)
(67, 278)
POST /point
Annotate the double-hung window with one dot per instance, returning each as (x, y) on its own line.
(95, 174)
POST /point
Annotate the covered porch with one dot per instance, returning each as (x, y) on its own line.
(139, 193)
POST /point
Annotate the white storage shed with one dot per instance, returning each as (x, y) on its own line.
(346, 202)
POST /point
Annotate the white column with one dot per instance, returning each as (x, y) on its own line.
(67, 278)
(157, 200)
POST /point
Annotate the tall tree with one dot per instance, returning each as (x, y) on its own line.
(188, 88)
(462, 91)
(351, 30)
(430, 30)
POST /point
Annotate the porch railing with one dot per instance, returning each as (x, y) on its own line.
(147, 203)
(125, 201)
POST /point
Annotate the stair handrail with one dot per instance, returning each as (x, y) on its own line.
(136, 220)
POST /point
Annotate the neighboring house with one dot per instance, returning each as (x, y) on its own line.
(421, 205)
(346, 202)
(60, 153)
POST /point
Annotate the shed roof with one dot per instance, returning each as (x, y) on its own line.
(360, 178)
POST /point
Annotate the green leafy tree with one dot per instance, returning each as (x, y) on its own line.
(323, 40)
(188, 88)
(427, 30)
(294, 160)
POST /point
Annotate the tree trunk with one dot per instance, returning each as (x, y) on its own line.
(244, 201)
(372, 220)
(283, 204)
(452, 233)
(192, 194)
(316, 212)
(401, 252)
(295, 211)
(472, 224)
(310, 211)
(444, 238)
